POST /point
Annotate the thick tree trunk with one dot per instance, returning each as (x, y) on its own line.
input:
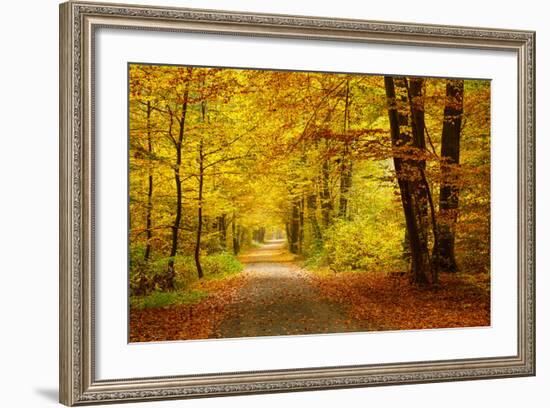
(177, 178)
(148, 216)
(420, 265)
(421, 188)
(449, 190)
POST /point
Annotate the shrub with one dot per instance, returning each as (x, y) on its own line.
(216, 265)
(315, 254)
(144, 276)
(220, 264)
(362, 244)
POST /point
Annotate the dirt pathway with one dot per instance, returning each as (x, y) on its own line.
(278, 299)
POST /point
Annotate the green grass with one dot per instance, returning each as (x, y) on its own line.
(218, 266)
(163, 299)
(214, 266)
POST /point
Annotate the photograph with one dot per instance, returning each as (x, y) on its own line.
(268, 202)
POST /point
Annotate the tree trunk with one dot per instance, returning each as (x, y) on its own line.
(422, 193)
(222, 230)
(345, 184)
(294, 227)
(312, 217)
(345, 165)
(235, 235)
(199, 215)
(401, 138)
(287, 231)
(301, 229)
(177, 178)
(148, 216)
(326, 203)
(450, 158)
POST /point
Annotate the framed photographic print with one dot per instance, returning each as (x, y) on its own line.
(262, 203)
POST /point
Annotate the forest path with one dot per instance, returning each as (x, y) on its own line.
(278, 299)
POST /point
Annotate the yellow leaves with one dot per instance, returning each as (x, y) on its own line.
(264, 143)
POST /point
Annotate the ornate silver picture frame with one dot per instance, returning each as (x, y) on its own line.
(79, 22)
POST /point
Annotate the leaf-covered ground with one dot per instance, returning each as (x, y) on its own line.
(186, 321)
(391, 303)
(274, 296)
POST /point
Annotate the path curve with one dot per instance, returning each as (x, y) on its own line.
(278, 299)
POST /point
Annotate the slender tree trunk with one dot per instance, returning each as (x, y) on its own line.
(288, 235)
(242, 232)
(148, 217)
(301, 224)
(345, 184)
(199, 215)
(312, 217)
(235, 235)
(450, 158)
(326, 203)
(346, 164)
(222, 230)
(177, 178)
(400, 139)
(200, 199)
(294, 227)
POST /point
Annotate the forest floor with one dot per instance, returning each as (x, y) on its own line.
(275, 296)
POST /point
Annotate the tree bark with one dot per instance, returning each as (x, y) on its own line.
(410, 197)
(177, 178)
(199, 214)
(346, 164)
(294, 227)
(301, 229)
(326, 202)
(148, 216)
(222, 230)
(235, 235)
(312, 217)
(450, 158)
(421, 187)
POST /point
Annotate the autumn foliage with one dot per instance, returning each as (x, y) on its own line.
(377, 188)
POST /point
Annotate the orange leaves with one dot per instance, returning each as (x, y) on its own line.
(389, 305)
(186, 322)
